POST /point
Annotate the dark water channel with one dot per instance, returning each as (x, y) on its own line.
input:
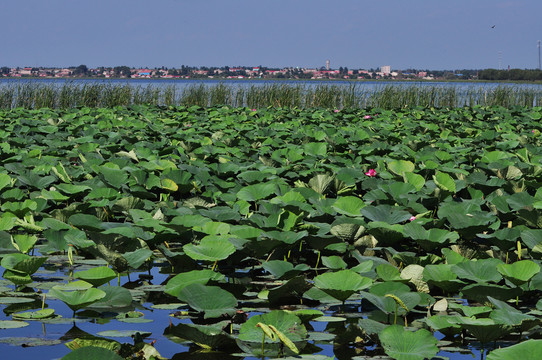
(57, 334)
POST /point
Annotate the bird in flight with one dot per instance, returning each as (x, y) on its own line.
(493, 27)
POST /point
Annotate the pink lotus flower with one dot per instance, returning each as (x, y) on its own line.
(371, 173)
(336, 110)
(253, 109)
(367, 117)
(412, 218)
(533, 131)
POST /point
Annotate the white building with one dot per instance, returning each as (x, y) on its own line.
(386, 69)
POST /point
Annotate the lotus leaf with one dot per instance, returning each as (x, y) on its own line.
(526, 350)
(78, 299)
(92, 353)
(402, 344)
(115, 297)
(519, 272)
(210, 248)
(256, 192)
(251, 336)
(480, 271)
(480, 292)
(11, 324)
(284, 269)
(206, 336)
(341, 284)
(212, 300)
(485, 330)
(179, 281)
(349, 205)
(96, 276)
(34, 315)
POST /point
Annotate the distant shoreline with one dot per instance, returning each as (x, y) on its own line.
(219, 80)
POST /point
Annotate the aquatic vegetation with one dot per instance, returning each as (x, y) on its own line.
(281, 231)
(36, 95)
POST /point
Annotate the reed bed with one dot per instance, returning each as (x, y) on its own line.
(34, 95)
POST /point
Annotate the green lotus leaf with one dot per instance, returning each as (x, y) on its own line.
(334, 262)
(371, 327)
(315, 148)
(74, 285)
(85, 222)
(5, 180)
(519, 272)
(349, 205)
(341, 284)
(481, 292)
(526, 350)
(72, 188)
(53, 195)
(290, 291)
(137, 257)
(210, 248)
(180, 281)
(401, 167)
(115, 297)
(385, 213)
(444, 324)
(92, 353)
(34, 315)
(19, 267)
(415, 180)
(12, 324)
(389, 306)
(114, 177)
(15, 300)
(24, 242)
(78, 299)
(453, 257)
(251, 335)
(306, 315)
(471, 311)
(124, 333)
(212, 300)
(288, 237)
(485, 330)
(388, 272)
(480, 271)
(256, 191)
(430, 239)
(96, 276)
(442, 276)
(284, 269)
(29, 341)
(444, 181)
(521, 200)
(209, 337)
(169, 184)
(402, 344)
(214, 228)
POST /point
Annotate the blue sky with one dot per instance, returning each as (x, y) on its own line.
(420, 34)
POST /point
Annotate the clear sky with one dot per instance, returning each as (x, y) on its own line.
(419, 34)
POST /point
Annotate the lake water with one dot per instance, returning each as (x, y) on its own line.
(183, 83)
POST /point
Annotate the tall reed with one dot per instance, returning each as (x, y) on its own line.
(34, 94)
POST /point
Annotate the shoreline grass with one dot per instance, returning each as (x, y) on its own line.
(34, 95)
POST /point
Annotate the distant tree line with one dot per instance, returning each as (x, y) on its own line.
(512, 74)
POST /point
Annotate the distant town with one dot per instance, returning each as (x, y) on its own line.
(262, 72)
(238, 72)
